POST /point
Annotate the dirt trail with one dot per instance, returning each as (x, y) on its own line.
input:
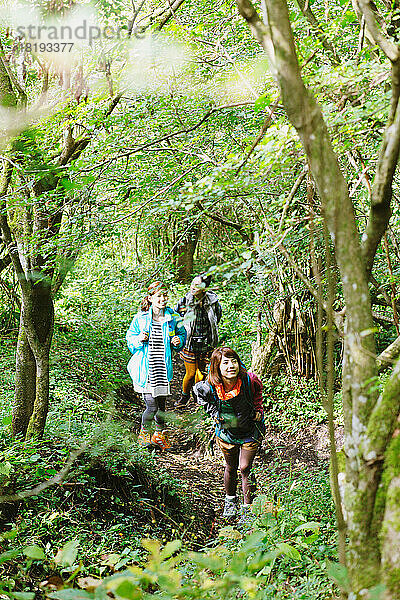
(191, 462)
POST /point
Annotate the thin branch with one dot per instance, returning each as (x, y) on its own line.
(382, 190)
(260, 136)
(185, 130)
(291, 195)
(389, 355)
(304, 6)
(173, 7)
(219, 219)
(390, 49)
(157, 195)
(379, 287)
(58, 478)
(136, 12)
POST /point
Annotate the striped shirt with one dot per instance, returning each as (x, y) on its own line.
(157, 381)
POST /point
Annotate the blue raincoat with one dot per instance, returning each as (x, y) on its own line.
(138, 365)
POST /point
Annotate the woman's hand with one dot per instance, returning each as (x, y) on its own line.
(175, 341)
(144, 336)
(258, 416)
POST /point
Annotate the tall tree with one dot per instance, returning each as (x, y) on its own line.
(372, 484)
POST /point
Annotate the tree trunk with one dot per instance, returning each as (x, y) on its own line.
(37, 421)
(31, 399)
(184, 255)
(260, 353)
(38, 266)
(25, 384)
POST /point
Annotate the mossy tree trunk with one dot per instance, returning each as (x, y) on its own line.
(371, 494)
(37, 324)
(25, 384)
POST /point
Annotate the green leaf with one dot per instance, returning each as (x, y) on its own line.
(126, 589)
(310, 526)
(71, 594)
(34, 552)
(34, 458)
(23, 595)
(67, 184)
(310, 539)
(214, 563)
(68, 553)
(9, 555)
(5, 468)
(377, 592)
(229, 533)
(289, 551)
(260, 103)
(170, 548)
(9, 535)
(253, 541)
(338, 573)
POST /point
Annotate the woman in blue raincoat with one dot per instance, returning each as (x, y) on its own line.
(154, 331)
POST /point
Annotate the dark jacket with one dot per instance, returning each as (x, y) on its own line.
(200, 317)
(245, 405)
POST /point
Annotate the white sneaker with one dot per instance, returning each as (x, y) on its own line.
(230, 508)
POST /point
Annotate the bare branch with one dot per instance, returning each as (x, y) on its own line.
(382, 190)
(185, 130)
(161, 192)
(390, 49)
(260, 136)
(304, 6)
(160, 17)
(173, 6)
(389, 355)
(291, 195)
(219, 219)
(58, 478)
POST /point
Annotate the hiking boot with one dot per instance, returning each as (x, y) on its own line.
(144, 438)
(182, 402)
(160, 439)
(246, 515)
(230, 508)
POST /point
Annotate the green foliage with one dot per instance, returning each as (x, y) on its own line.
(260, 562)
(125, 206)
(293, 404)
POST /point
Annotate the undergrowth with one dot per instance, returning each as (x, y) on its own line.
(115, 495)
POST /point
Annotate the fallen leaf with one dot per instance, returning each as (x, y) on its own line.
(52, 583)
(88, 583)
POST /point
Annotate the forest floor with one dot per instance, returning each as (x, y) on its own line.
(198, 464)
(117, 494)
